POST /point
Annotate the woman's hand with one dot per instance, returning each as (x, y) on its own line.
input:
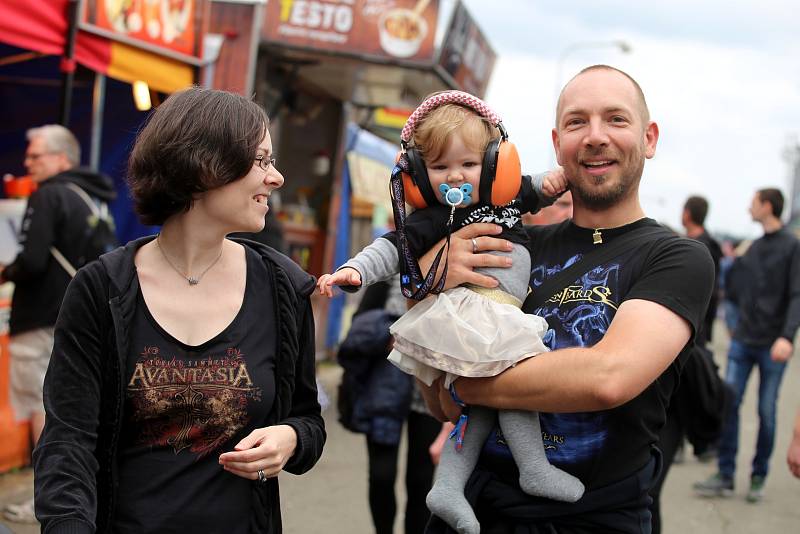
(267, 449)
(466, 246)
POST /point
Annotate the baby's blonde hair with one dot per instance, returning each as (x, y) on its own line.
(432, 136)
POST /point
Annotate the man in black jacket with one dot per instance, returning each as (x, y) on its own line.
(56, 217)
(769, 308)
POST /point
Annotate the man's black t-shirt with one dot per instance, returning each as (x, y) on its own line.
(604, 447)
(184, 406)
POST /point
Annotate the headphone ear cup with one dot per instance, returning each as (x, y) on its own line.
(508, 174)
(488, 168)
(412, 183)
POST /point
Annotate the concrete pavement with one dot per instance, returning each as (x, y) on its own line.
(332, 498)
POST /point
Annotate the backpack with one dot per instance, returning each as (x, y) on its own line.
(703, 399)
(99, 236)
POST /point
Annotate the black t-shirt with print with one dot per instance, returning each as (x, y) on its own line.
(607, 446)
(184, 406)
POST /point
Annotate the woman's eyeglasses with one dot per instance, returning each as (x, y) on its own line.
(264, 162)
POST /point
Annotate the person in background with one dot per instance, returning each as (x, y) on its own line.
(693, 219)
(769, 315)
(684, 413)
(56, 218)
(557, 212)
(182, 380)
(382, 402)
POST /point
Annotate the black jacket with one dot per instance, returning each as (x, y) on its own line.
(765, 283)
(55, 216)
(75, 463)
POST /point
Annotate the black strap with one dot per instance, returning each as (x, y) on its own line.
(597, 256)
(412, 283)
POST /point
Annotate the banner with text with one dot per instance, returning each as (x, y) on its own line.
(401, 29)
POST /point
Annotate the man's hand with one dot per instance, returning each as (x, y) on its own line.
(554, 183)
(449, 407)
(343, 277)
(781, 350)
(466, 246)
(793, 455)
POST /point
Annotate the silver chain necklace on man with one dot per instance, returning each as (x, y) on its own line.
(193, 281)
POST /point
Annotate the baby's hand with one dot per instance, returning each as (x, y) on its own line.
(554, 183)
(343, 277)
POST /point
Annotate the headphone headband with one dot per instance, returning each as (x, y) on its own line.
(449, 97)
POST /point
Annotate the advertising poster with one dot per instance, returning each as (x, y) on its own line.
(171, 25)
(396, 29)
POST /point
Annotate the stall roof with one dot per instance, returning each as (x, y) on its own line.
(354, 80)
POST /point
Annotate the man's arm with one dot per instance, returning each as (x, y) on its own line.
(643, 339)
(782, 348)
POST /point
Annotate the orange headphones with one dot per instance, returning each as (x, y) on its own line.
(500, 170)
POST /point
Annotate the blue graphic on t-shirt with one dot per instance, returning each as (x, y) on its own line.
(578, 316)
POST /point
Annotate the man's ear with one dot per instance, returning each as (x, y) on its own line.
(650, 139)
(557, 146)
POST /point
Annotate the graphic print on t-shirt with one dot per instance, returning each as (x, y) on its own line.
(579, 316)
(190, 403)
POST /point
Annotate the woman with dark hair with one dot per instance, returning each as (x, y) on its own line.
(182, 378)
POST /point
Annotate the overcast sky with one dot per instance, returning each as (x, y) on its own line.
(722, 80)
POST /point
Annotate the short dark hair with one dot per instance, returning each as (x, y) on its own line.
(774, 197)
(196, 140)
(697, 208)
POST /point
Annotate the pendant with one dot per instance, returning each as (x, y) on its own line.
(192, 281)
(597, 237)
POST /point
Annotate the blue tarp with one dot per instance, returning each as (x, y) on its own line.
(371, 146)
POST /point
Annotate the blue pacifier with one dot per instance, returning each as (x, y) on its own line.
(455, 196)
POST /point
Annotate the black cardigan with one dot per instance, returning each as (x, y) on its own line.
(75, 465)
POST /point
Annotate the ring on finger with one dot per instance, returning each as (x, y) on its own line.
(474, 246)
(261, 476)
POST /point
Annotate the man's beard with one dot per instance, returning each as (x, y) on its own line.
(605, 198)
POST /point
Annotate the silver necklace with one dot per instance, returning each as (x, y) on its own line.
(193, 281)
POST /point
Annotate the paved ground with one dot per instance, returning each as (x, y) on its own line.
(332, 497)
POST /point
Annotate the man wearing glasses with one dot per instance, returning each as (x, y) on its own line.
(56, 222)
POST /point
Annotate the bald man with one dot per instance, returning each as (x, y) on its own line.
(619, 333)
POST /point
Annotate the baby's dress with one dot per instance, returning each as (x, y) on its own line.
(470, 331)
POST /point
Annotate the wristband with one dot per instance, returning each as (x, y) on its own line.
(455, 396)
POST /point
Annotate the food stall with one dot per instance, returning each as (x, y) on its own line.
(324, 66)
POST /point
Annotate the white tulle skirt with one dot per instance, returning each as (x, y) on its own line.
(464, 333)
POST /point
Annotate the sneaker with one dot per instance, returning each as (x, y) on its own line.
(756, 491)
(714, 486)
(20, 513)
